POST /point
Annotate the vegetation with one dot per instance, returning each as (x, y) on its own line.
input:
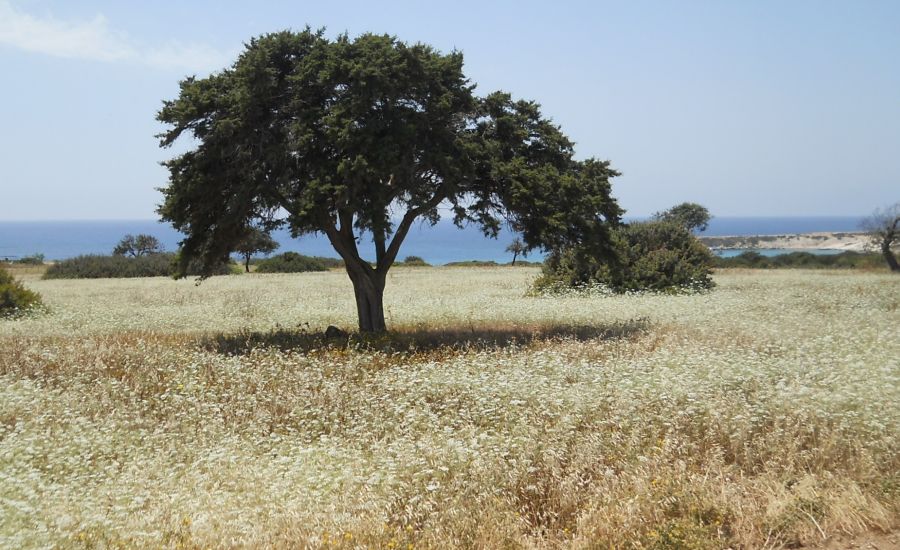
(763, 415)
(517, 248)
(415, 261)
(804, 260)
(883, 226)
(15, 299)
(656, 256)
(255, 241)
(693, 216)
(291, 262)
(140, 245)
(336, 134)
(473, 263)
(34, 259)
(95, 266)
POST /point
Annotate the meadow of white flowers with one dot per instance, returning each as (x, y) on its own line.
(765, 413)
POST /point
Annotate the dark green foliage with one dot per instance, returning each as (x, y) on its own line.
(691, 215)
(34, 259)
(661, 256)
(95, 266)
(332, 136)
(651, 256)
(415, 261)
(15, 299)
(140, 245)
(844, 260)
(255, 241)
(290, 262)
(473, 263)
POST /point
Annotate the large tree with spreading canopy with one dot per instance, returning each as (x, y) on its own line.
(352, 137)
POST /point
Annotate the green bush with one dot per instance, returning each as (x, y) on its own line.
(34, 259)
(95, 266)
(844, 260)
(291, 262)
(473, 263)
(15, 299)
(655, 256)
(415, 261)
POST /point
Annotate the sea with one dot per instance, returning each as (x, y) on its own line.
(437, 245)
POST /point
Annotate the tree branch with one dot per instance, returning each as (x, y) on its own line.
(385, 262)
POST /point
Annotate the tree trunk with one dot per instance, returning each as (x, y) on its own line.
(515, 255)
(247, 263)
(889, 255)
(369, 293)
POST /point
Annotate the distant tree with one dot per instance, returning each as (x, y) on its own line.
(256, 241)
(335, 136)
(516, 248)
(883, 227)
(692, 216)
(140, 245)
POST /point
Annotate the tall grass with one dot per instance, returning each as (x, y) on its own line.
(159, 413)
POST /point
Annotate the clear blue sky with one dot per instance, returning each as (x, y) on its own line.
(750, 108)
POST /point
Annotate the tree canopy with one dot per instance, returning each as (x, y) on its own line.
(516, 248)
(883, 227)
(690, 215)
(138, 245)
(367, 135)
(254, 241)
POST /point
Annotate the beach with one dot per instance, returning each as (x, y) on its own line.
(825, 240)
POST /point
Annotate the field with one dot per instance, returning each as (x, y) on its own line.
(152, 412)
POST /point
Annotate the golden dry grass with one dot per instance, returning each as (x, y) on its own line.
(159, 413)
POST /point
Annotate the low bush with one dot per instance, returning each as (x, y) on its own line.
(805, 260)
(473, 263)
(414, 261)
(95, 266)
(15, 299)
(291, 262)
(656, 256)
(34, 259)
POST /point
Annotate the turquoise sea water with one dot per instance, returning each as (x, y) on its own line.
(437, 245)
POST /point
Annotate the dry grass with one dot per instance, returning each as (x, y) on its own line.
(158, 413)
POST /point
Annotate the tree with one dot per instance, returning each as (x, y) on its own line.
(359, 138)
(691, 215)
(517, 247)
(255, 241)
(883, 227)
(140, 245)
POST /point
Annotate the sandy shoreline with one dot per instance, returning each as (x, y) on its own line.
(812, 241)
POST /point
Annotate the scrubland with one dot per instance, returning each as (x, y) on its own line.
(152, 412)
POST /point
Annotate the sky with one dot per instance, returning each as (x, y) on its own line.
(763, 108)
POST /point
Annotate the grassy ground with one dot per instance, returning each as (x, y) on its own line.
(153, 412)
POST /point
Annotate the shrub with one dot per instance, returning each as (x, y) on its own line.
(34, 259)
(291, 262)
(654, 256)
(415, 261)
(95, 266)
(15, 299)
(473, 263)
(844, 260)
